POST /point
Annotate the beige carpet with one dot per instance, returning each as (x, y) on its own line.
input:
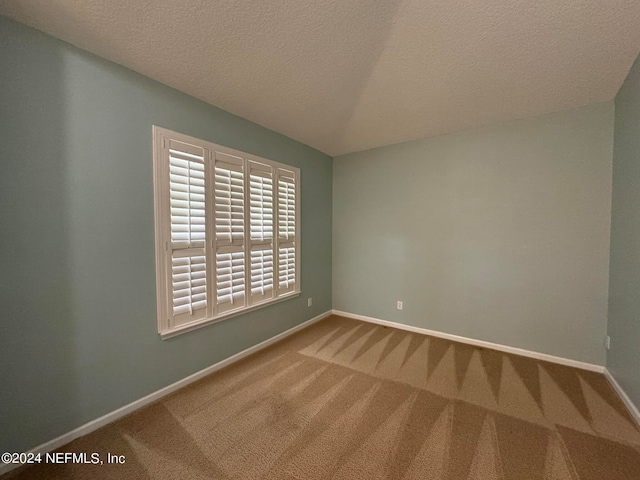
(349, 400)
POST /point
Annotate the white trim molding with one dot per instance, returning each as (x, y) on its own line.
(152, 397)
(633, 409)
(478, 343)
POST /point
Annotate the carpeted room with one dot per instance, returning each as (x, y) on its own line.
(515, 229)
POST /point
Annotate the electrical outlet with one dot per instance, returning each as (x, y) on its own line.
(399, 305)
(309, 301)
(607, 342)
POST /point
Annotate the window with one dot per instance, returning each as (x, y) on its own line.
(227, 231)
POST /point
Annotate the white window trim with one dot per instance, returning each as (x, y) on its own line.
(166, 328)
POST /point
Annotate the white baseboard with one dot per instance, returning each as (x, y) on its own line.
(633, 410)
(478, 343)
(152, 397)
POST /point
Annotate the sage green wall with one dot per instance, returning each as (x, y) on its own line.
(623, 360)
(499, 234)
(78, 334)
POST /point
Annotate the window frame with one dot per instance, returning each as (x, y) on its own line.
(162, 225)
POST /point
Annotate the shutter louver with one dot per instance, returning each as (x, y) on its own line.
(187, 232)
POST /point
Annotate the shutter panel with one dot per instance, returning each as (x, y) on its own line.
(261, 198)
(286, 269)
(230, 284)
(230, 262)
(261, 226)
(229, 199)
(187, 228)
(261, 273)
(287, 231)
(189, 281)
(286, 205)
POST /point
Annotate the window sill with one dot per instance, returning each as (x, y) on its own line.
(188, 327)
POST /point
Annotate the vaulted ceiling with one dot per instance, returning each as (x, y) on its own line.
(349, 75)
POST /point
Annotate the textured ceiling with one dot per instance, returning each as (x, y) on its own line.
(349, 75)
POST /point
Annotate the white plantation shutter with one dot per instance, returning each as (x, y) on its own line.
(261, 202)
(230, 258)
(287, 231)
(261, 224)
(227, 231)
(186, 247)
(286, 269)
(286, 204)
(189, 283)
(261, 273)
(229, 199)
(230, 283)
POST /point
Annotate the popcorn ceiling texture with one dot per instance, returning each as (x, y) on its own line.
(349, 75)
